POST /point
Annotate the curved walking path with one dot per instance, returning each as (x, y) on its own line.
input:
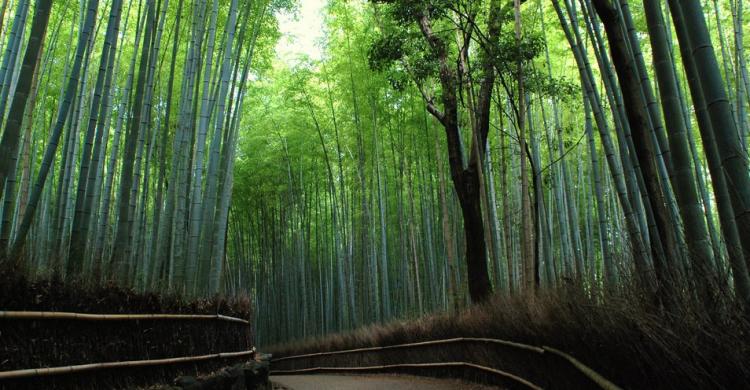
(369, 382)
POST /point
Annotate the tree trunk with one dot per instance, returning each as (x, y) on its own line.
(12, 134)
(120, 253)
(696, 234)
(635, 106)
(56, 132)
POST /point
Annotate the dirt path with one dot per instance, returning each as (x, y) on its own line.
(369, 382)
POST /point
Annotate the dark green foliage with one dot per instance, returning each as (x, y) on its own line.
(386, 50)
(406, 11)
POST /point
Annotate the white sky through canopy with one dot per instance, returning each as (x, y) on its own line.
(301, 32)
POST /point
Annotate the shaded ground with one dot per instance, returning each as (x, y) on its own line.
(370, 382)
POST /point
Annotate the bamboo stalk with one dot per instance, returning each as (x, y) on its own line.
(412, 365)
(34, 372)
(419, 344)
(38, 315)
(585, 370)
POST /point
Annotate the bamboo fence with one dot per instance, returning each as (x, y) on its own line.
(41, 315)
(419, 344)
(587, 371)
(34, 372)
(603, 382)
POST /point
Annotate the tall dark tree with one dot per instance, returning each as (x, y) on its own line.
(465, 173)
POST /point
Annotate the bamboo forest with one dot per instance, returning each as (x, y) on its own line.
(346, 163)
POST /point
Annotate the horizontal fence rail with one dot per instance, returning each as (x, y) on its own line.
(603, 382)
(587, 371)
(41, 315)
(412, 365)
(35, 372)
(413, 345)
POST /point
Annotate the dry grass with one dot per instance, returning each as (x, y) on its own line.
(627, 339)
